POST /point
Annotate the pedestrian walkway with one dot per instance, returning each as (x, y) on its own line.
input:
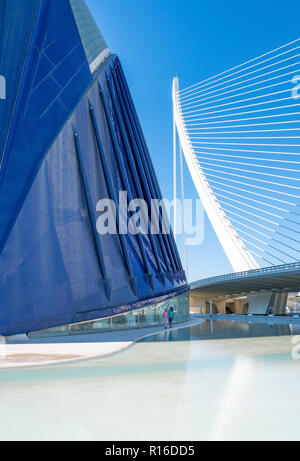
(32, 352)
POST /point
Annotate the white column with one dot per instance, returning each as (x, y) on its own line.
(183, 214)
(175, 176)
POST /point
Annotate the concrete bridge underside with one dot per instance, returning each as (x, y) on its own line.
(253, 292)
(253, 303)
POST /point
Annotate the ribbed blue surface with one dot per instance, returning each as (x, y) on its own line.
(55, 76)
(91, 36)
(54, 267)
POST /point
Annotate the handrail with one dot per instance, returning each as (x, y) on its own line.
(240, 275)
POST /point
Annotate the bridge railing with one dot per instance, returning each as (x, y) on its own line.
(239, 275)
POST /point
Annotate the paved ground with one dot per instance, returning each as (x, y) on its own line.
(20, 352)
(24, 352)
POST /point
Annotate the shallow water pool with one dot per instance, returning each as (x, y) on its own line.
(220, 380)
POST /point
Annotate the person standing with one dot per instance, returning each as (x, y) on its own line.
(165, 316)
(171, 316)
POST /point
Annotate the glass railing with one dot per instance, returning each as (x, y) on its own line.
(150, 316)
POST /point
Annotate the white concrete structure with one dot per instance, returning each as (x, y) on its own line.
(239, 134)
(235, 249)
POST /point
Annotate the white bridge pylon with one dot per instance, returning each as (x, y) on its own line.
(240, 134)
(236, 251)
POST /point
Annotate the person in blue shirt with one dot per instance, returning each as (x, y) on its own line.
(171, 316)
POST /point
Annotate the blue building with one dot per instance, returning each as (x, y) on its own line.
(70, 137)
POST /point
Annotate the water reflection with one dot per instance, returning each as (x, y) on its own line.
(172, 388)
(225, 329)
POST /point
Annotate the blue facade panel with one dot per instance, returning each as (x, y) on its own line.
(75, 139)
(55, 75)
(90, 34)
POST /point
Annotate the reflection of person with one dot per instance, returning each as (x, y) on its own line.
(165, 316)
(171, 316)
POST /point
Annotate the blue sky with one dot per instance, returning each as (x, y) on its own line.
(159, 39)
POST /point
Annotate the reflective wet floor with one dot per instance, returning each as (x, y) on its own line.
(221, 380)
(222, 329)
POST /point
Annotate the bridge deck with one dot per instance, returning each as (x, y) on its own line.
(285, 277)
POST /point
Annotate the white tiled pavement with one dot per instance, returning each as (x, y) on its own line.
(19, 352)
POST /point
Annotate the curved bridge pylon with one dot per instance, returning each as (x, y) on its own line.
(235, 249)
(240, 135)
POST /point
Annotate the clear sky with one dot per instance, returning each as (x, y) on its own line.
(194, 39)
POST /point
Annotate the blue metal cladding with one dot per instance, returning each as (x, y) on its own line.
(55, 74)
(121, 85)
(54, 266)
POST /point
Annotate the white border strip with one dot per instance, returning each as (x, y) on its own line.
(99, 60)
